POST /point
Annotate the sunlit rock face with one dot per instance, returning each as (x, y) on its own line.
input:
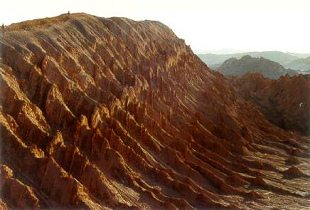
(111, 113)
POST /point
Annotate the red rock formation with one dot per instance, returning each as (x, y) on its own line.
(112, 113)
(285, 102)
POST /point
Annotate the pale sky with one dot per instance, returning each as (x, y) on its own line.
(206, 25)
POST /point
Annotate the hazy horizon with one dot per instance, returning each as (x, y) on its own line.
(236, 51)
(206, 25)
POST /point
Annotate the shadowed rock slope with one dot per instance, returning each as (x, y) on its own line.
(285, 102)
(111, 113)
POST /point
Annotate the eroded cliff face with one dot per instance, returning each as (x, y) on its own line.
(285, 102)
(111, 113)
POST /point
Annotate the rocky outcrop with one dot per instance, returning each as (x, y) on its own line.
(15, 192)
(103, 113)
(285, 102)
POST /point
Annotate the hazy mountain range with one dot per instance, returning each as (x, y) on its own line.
(295, 61)
(239, 67)
(302, 64)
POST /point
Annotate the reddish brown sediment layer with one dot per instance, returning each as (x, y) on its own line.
(112, 113)
(285, 102)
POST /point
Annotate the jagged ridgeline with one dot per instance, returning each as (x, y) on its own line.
(103, 113)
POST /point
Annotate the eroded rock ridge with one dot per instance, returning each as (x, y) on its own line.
(111, 113)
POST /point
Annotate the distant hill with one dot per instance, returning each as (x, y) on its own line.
(268, 68)
(276, 56)
(302, 64)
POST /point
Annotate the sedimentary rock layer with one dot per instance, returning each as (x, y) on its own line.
(111, 113)
(285, 102)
